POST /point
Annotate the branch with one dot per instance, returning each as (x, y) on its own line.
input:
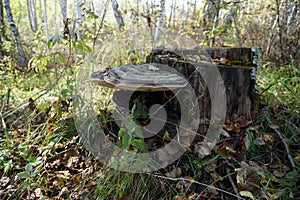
(285, 146)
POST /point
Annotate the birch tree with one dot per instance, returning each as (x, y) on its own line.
(31, 9)
(79, 13)
(2, 33)
(118, 15)
(161, 21)
(63, 12)
(22, 60)
(46, 19)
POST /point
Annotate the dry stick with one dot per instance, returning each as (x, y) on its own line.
(202, 184)
(233, 184)
(285, 146)
(1, 115)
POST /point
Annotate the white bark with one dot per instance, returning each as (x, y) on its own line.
(79, 13)
(46, 20)
(161, 22)
(118, 15)
(63, 12)
(22, 60)
(31, 7)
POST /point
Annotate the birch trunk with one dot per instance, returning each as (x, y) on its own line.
(22, 60)
(31, 7)
(46, 19)
(2, 33)
(79, 14)
(216, 22)
(118, 15)
(63, 12)
(161, 22)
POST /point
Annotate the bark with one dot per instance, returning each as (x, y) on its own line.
(174, 13)
(2, 29)
(216, 21)
(161, 22)
(171, 13)
(118, 15)
(55, 17)
(292, 23)
(79, 14)
(63, 12)
(46, 19)
(31, 7)
(239, 79)
(22, 60)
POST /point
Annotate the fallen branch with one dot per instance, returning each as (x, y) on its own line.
(285, 146)
(233, 184)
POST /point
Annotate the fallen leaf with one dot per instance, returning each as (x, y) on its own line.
(205, 148)
(247, 194)
(248, 179)
(225, 151)
(269, 138)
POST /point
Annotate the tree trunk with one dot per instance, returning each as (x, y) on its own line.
(79, 14)
(55, 17)
(63, 12)
(239, 78)
(216, 22)
(31, 7)
(118, 15)
(22, 60)
(161, 22)
(46, 20)
(2, 29)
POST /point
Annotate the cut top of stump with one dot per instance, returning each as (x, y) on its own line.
(141, 77)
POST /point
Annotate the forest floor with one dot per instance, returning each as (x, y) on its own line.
(41, 156)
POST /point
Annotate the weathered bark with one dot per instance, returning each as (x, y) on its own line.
(22, 60)
(118, 15)
(239, 79)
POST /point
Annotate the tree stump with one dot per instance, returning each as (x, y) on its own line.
(237, 67)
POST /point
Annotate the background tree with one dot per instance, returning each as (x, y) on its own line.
(118, 15)
(161, 21)
(31, 7)
(46, 20)
(63, 12)
(79, 13)
(2, 29)
(22, 60)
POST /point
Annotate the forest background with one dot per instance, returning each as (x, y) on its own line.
(43, 45)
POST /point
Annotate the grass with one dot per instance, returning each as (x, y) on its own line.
(41, 156)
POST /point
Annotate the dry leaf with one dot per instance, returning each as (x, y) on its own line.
(205, 148)
(269, 138)
(247, 194)
(248, 179)
(225, 151)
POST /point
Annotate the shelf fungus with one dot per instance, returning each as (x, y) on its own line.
(148, 77)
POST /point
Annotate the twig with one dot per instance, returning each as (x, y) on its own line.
(285, 146)
(233, 184)
(202, 184)
(2, 118)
